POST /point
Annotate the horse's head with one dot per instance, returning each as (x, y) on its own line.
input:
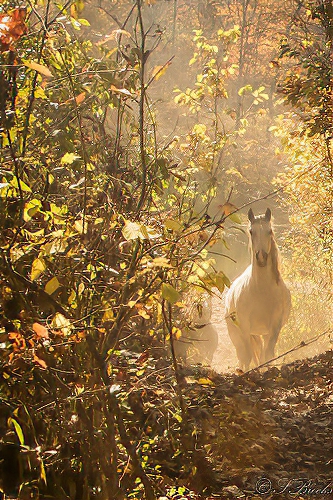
(261, 236)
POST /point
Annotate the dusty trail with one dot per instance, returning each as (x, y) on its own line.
(224, 359)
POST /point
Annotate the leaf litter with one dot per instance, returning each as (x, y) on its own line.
(273, 425)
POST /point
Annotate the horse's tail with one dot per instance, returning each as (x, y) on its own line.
(256, 344)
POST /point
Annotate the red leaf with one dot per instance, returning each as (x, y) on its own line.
(143, 358)
(40, 331)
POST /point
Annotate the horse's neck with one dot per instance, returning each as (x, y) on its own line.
(271, 270)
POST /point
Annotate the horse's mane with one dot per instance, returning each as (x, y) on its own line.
(275, 260)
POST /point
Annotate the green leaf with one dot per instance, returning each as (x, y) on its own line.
(169, 293)
(235, 218)
(221, 281)
(84, 22)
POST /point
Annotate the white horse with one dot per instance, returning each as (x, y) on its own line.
(258, 302)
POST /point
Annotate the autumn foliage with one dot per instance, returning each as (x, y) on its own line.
(12, 28)
(128, 148)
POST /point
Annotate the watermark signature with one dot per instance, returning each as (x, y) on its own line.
(294, 487)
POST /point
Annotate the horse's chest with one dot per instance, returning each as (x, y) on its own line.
(262, 309)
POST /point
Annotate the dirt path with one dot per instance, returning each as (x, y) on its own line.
(224, 359)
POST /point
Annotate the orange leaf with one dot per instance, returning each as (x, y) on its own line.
(12, 27)
(81, 97)
(41, 362)
(17, 339)
(40, 331)
(228, 208)
(40, 68)
(13, 335)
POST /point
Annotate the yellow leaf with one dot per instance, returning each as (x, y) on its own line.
(143, 313)
(108, 315)
(40, 93)
(135, 230)
(23, 186)
(40, 68)
(31, 208)
(159, 71)
(78, 224)
(176, 333)
(119, 32)
(52, 285)
(42, 472)
(205, 381)
(160, 262)
(18, 429)
(69, 158)
(173, 224)
(37, 268)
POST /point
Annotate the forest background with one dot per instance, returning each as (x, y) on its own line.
(134, 135)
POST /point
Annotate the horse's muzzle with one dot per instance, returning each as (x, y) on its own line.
(261, 258)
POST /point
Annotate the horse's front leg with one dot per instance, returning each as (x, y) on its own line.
(270, 343)
(242, 343)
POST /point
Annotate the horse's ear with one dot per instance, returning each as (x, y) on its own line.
(268, 214)
(251, 215)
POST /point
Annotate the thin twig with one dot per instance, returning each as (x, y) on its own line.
(295, 348)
